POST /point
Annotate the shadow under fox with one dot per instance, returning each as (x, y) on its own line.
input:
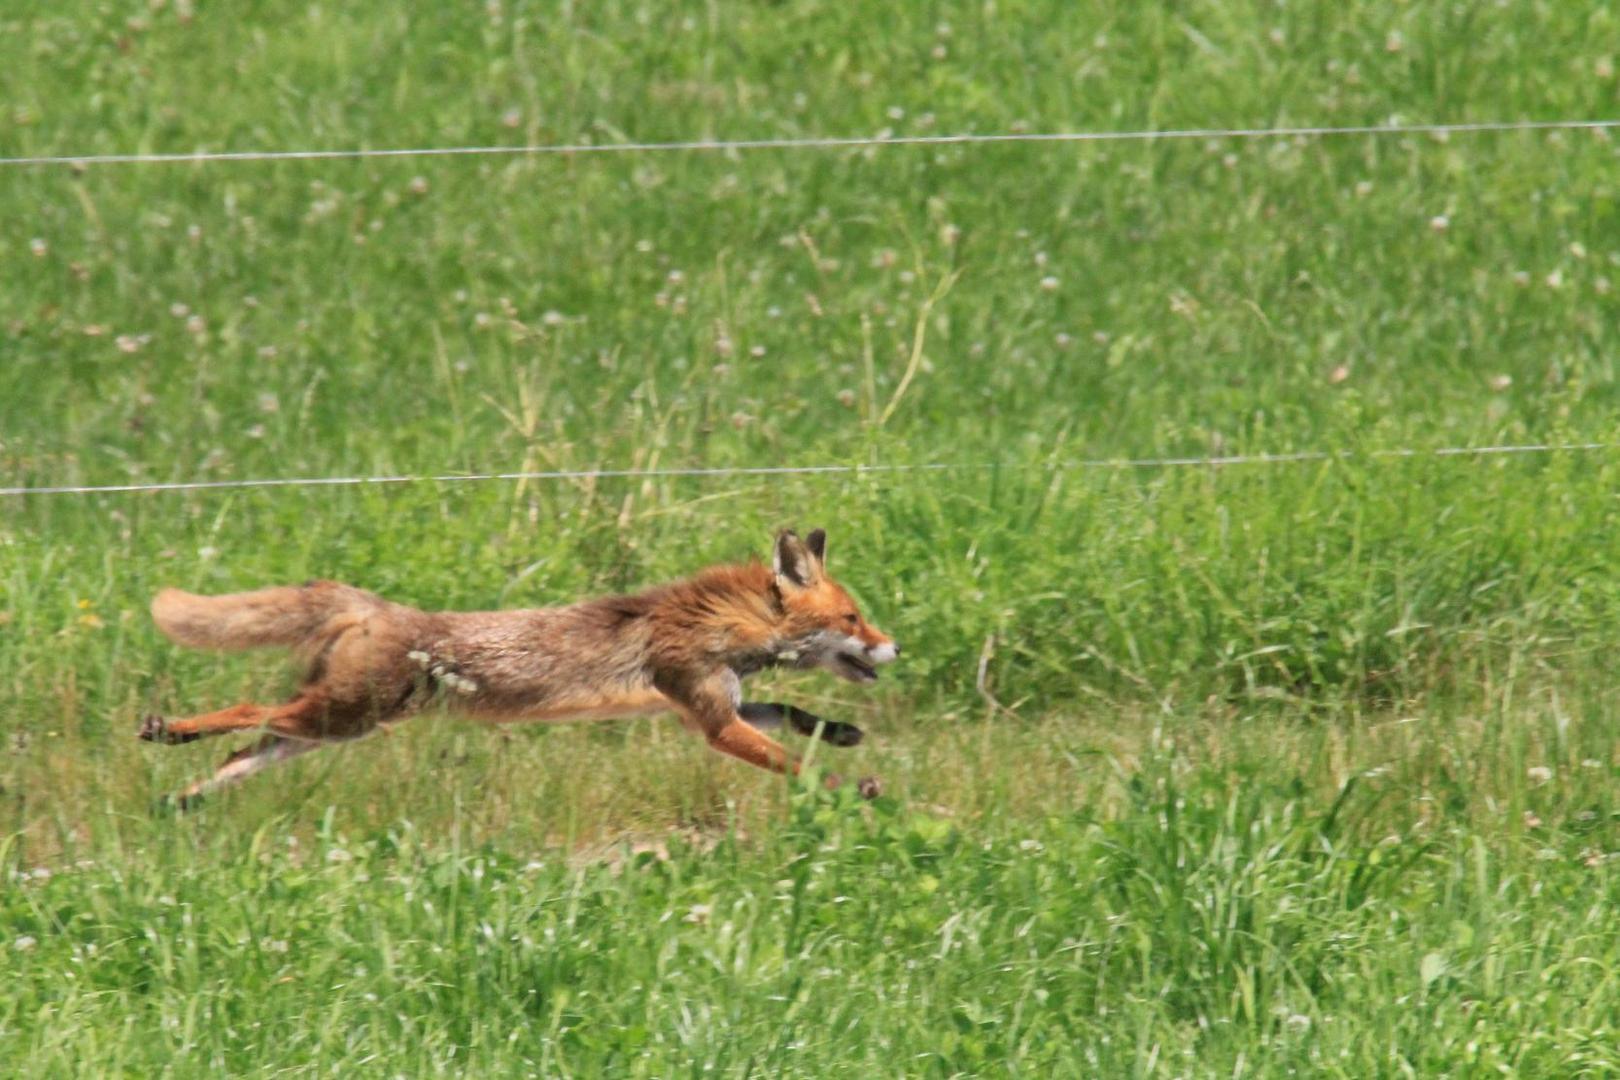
(686, 647)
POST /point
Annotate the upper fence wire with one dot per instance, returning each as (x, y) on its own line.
(834, 142)
(817, 470)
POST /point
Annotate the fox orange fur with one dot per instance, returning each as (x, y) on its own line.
(684, 647)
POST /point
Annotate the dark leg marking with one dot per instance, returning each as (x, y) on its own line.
(770, 714)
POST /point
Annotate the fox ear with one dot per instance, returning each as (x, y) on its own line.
(817, 543)
(792, 560)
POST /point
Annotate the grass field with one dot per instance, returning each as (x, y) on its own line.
(1247, 770)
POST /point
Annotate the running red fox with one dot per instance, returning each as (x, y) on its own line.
(686, 646)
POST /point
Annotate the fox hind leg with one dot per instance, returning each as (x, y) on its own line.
(270, 750)
(297, 727)
(307, 716)
(155, 728)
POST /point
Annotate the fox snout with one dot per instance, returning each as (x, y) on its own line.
(880, 647)
(857, 660)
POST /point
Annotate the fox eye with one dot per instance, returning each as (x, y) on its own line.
(852, 618)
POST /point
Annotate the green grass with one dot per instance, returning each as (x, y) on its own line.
(1190, 771)
(1209, 927)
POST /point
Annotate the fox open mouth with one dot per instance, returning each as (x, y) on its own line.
(856, 670)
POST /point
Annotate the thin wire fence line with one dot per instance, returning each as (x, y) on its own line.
(835, 142)
(814, 470)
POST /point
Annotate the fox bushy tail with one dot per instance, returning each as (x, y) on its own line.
(285, 615)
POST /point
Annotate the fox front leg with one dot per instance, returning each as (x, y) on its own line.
(771, 714)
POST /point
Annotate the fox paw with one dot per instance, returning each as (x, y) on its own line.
(156, 729)
(841, 734)
(830, 731)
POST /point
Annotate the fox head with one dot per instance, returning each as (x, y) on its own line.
(822, 626)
